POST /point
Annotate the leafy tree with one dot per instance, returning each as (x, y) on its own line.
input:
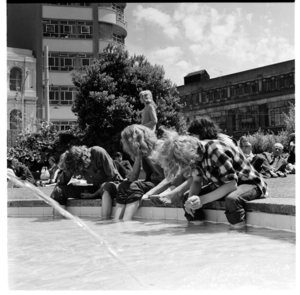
(289, 119)
(108, 96)
(34, 149)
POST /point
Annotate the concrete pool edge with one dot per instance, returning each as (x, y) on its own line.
(273, 213)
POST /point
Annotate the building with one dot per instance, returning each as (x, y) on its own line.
(242, 102)
(21, 91)
(75, 33)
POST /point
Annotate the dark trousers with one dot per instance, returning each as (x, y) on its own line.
(130, 192)
(234, 203)
(62, 193)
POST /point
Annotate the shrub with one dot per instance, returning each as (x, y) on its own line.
(262, 142)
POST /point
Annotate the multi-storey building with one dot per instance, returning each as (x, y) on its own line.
(21, 91)
(75, 33)
(241, 102)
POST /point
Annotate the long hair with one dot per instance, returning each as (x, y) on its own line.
(242, 138)
(205, 127)
(138, 140)
(75, 160)
(177, 153)
(149, 99)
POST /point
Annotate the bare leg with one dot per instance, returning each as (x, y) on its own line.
(106, 205)
(131, 209)
(120, 208)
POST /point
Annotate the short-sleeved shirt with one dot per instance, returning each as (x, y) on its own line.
(222, 163)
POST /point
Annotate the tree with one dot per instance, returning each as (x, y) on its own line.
(289, 119)
(34, 149)
(108, 96)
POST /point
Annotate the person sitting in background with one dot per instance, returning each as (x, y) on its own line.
(255, 160)
(99, 171)
(291, 167)
(124, 166)
(53, 171)
(21, 171)
(275, 164)
(149, 116)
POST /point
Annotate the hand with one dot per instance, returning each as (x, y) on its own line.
(167, 198)
(86, 196)
(145, 197)
(193, 202)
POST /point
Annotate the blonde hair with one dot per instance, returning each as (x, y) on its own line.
(138, 140)
(149, 99)
(178, 153)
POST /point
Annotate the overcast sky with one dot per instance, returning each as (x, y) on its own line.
(222, 38)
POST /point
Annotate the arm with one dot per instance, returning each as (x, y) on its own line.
(163, 185)
(153, 117)
(134, 174)
(55, 176)
(105, 162)
(64, 178)
(219, 193)
(195, 186)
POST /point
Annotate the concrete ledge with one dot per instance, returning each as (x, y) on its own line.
(281, 206)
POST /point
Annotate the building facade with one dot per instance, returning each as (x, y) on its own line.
(21, 91)
(75, 33)
(242, 102)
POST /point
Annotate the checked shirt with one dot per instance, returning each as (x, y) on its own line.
(222, 163)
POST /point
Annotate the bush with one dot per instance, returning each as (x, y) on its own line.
(34, 149)
(262, 142)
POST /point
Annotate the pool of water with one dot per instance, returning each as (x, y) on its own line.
(56, 254)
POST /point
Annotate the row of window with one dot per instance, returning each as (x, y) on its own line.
(63, 125)
(67, 29)
(66, 62)
(247, 118)
(242, 89)
(106, 33)
(71, 4)
(64, 95)
(105, 5)
(16, 122)
(79, 29)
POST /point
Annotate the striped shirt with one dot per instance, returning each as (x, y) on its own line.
(222, 163)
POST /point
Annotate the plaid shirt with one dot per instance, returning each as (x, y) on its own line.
(222, 163)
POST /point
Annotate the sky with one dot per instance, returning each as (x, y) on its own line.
(221, 38)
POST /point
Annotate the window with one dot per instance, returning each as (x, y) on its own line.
(246, 118)
(70, 4)
(63, 125)
(118, 38)
(220, 119)
(50, 28)
(66, 62)
(105, 31)
(254, 86)
(223, 93)
(15, 79)
(276, 111)
(67, 29)
(85, 30)
(63, 95)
